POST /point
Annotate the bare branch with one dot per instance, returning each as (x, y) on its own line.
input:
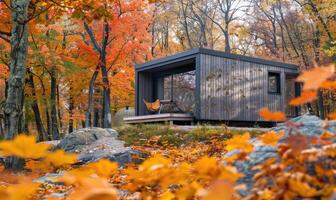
(92, 37)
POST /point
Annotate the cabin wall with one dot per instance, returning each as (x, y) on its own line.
(236, 90)
(144, 90)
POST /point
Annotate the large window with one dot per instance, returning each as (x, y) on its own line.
(274, 86)
(180, 88)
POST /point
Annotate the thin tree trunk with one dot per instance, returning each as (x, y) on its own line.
(71, 107)
(106, 117)
(2, 130)
(42, 134)
(46, 107)
(53, 91)
(96, 118)
(59, 108)
(90, 98)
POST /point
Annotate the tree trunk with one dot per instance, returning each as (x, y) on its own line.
(96, 118)
(71, 107)
(59, 108)
(90, 98)
(106, 113)
(227, 42)
(53, 91)
(18, 57)
(2, 130)
(42, 134)
(19, 44)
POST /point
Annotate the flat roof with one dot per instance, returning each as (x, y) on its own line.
(191, 54)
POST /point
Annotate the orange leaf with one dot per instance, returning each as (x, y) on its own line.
(271, 138)
(298, 142)
(268, 115)
(313, 78)
(329, 85)
(332, 116)
(306, 97)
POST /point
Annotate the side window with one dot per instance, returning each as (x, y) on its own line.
(274, 86)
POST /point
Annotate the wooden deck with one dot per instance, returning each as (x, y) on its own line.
(166, 117)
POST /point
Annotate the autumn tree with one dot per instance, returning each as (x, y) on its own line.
(113, 29)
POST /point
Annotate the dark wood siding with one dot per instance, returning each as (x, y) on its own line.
(232, 89)
(144, 91)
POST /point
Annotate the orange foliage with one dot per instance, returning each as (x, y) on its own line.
(268, 115)
(305, 97)
(271, 138)
(191, 176)
(240, 142)
(313, 79)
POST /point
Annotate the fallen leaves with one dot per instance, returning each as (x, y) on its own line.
(240, 142)
(188, 176)
(20, 191)
(302, 188)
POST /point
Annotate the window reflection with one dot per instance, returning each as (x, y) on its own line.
(180, 88)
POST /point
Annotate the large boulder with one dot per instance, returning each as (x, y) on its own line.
(93, 144)
(308, 125)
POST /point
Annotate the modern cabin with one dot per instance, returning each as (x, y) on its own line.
(207, 85)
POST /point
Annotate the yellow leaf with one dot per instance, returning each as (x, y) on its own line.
(94, 189)
(102, 168)
(99, 194)
(271, 138)
(167, 196)
(154, 163)
(24, 146)
(188, 191)
(206, 166)
(230, 174)
(21, 191)
(219, 190)
(59, 158)
(239, 142)
(301, 188)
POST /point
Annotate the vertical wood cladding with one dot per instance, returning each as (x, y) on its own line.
(144, 92)
(232, 89)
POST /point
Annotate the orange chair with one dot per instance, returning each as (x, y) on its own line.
(153, 107)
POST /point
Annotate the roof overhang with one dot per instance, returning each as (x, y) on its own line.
(191, 54)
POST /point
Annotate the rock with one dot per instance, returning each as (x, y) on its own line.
(50, 178)
(83, 137)
(308, 125)
(57, 195)
(93, 144)
(52, 142)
